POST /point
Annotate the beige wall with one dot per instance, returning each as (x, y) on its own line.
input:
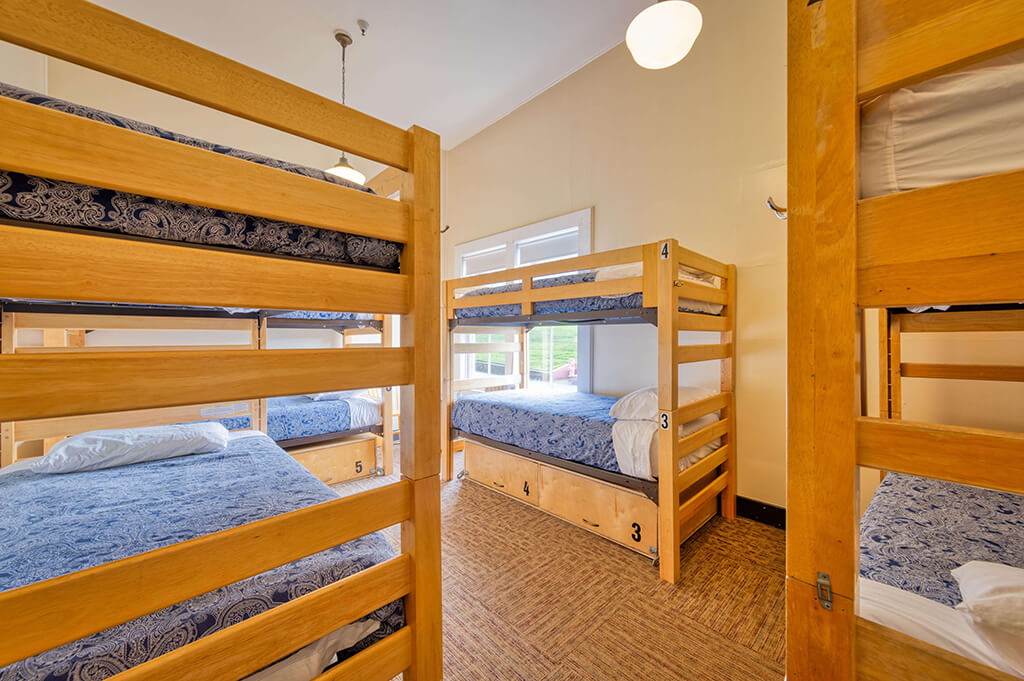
(690, 152)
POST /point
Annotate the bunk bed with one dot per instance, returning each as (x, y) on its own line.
(336, 439)
(562, 452)
(943, 230)
(297, 529)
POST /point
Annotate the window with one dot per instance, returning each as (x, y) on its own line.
(559, 356)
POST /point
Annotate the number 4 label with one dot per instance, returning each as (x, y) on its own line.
(665, 250)
(664, 420)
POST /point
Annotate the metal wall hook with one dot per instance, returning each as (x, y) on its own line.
(780, 212)
(445, 228)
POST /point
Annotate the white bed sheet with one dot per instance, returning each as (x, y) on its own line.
(928, 621)
(636, 445)
(953, 127)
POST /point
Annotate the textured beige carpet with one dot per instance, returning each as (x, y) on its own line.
(528, 597)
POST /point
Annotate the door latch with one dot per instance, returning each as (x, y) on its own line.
(824, 591)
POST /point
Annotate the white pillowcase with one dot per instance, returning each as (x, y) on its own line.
(336, 395)
(643, 404)
(636, 445)
(994, 603)
(100, 449)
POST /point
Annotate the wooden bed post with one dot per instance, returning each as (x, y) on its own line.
(8, 336)
(387, 405)
(668, 402)
(728, 385)
(421, 431)
(821, 542)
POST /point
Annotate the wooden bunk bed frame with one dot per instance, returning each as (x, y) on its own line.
(47, 264)
(332, 457)
(958, 243)
(610, 504)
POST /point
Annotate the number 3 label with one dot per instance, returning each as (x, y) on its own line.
(664, 420)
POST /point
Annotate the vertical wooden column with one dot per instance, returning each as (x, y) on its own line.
(728, 385)
(524, 356)
(668, 402)
(8, 336)
(259, 416)
(387, 404)
(421, 431)
(821, 540)
(895, 367)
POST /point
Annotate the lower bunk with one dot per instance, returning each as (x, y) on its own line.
(929, 548)
(58, 523)
(588, 459)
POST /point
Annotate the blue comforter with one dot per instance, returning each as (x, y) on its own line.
(590, 304)
(53, 525)
(915, 530)
(298, 416)
(573, 426)
(38, 199)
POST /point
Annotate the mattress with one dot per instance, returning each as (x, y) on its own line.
(586, 304)
(573, 426)
(954, 127)
(42, 200)
(57, 524)
(289, 418)
(915, 530)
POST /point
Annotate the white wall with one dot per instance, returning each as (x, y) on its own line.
(23, 68)
(690, 152)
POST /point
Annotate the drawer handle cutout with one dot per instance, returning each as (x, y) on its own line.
(498, 484)
(590, 523)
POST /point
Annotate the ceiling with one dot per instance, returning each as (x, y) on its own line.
(452, 66)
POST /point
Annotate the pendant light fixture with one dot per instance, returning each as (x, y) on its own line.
(663, 34)
(343, 168)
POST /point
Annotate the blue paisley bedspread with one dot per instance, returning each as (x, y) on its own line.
(629, 301)
(573, 426)
(915, 530)
(298, 416)
(53, 525)
(325, 316)
(36, 199)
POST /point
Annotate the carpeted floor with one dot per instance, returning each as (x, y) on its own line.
(528, 597)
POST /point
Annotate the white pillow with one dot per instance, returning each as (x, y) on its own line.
(643, 404)
(336, 395)
(994, 601)
(99, 449)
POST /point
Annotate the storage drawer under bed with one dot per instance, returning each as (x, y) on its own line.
(339, 460)
(508, 473)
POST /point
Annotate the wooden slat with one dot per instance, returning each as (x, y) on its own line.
(507, 331)
(610, 287)
(702, 437)
(70, 425)
(691, 475)
(694, 503)
(693, 291)
(970, 372)
(977, 217)
(462, 348)
(96, 38)
(975, 279)
(54, 144)
(486, 382)
(885, 654)
(37, 320)
(971, 320)
(98, 268)
(697, 261)
(900, 42)
(254, 643)
(52, 385)
(695, 410)
(387, 182)
(692, 321)
(619, 256)
(50, 613)
(382, 661)
(703, 353)
(972, 456)
(36, 350)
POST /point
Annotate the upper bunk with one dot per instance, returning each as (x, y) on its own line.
(610, 287)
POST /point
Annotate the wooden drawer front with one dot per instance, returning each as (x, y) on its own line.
(502, 471)
(353, 457)
(627, 518)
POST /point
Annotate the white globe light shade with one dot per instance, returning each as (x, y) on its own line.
(346, 172)
(663, 33)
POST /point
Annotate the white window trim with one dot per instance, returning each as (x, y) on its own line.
(582, 219)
